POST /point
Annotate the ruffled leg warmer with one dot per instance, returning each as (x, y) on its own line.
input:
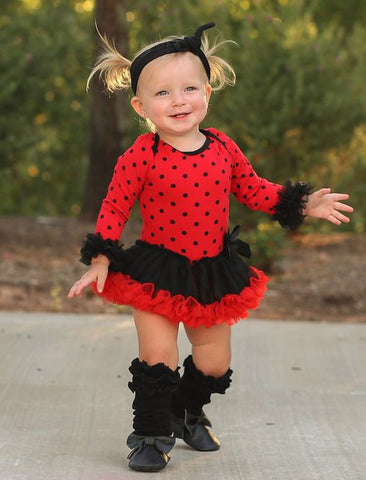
(152, 437)
(189, 421)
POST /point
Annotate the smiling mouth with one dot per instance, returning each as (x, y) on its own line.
(180, 115)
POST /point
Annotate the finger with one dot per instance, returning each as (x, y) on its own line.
(323, 191)
(339, 196)
(334, 220)
(343, 207)
(80, 286)
(72, 291)
(101, 281)
(339, 216)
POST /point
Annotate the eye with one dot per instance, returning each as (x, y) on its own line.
(162, 93)
(191, 89)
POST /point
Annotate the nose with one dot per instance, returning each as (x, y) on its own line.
(178, 99)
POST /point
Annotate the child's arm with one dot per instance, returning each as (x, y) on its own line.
(327, 205)
(101, 250)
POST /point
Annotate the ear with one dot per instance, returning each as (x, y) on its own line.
(208, 92)
(137, 106)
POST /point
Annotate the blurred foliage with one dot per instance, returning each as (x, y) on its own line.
(46, 51)
(298, 109)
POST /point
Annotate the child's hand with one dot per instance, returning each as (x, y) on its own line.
(97, 273)
(323, 204)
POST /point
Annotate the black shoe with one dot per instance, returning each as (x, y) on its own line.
(193, 430)
(149, 454)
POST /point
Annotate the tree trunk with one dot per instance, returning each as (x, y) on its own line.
(108, 113)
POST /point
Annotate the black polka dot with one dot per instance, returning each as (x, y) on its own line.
(109, 227)
(204, 252)
(196, 224)
(161, 210)
(172, 185)
(195, 242)
(184, 232)
(173, 204)
(185, 195)
(172, 222)
(172, 239)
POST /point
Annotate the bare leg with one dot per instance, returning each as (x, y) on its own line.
(211, 348)
(157, 338)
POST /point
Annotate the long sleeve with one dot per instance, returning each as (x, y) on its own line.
(284, 203)
(124, 189)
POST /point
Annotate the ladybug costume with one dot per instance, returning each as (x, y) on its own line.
(186, 266)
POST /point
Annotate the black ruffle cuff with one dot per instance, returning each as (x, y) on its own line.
(95, 244)
(292, 201)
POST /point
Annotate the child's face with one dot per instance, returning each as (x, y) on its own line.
(173, 92)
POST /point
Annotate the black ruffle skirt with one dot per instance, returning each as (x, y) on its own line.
(206, 292)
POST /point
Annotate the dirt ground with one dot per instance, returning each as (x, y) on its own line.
(320, 278)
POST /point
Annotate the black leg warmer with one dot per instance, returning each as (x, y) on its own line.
(195, 389)
(153, 386)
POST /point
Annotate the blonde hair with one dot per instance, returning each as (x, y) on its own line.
(114, 69)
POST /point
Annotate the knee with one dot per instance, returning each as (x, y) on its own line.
(167, 355)
(215, 365)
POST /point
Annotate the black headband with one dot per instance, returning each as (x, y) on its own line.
(186, 44)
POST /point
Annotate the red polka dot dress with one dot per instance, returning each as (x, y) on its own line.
(185, 265)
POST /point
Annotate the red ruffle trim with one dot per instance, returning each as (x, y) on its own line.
(121, 289)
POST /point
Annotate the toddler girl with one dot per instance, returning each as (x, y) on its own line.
(185, 267)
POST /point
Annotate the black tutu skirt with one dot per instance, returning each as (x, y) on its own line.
(205, 292)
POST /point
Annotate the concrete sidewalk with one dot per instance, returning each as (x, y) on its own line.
(296, 409)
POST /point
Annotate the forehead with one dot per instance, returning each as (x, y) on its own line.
(163, 67)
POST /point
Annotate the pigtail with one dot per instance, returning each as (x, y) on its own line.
(112, 67)
(222, 73)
